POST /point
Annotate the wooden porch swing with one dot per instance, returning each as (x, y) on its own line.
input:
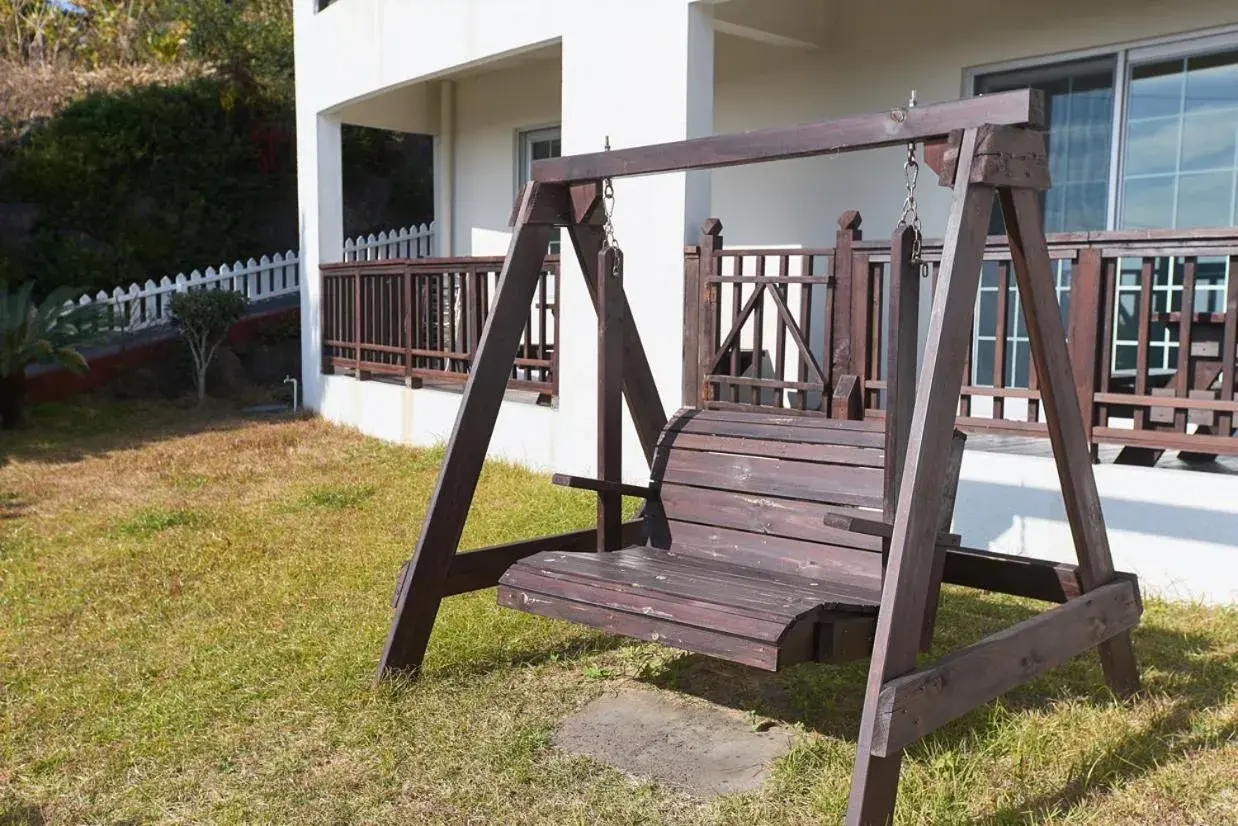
(769, 538)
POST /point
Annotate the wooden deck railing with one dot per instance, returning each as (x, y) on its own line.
(1149, 375)
(421, 319)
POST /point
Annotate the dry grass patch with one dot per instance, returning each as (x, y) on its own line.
(192, 605)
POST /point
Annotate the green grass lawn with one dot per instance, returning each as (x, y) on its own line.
(192, 606)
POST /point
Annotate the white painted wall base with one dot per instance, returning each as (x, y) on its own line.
(424, 417)
(1176, 529)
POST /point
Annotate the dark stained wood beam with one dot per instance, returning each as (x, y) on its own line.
(1018, 576)
(639, 387)
(466, 451)
(553, 205)
(876, 527)
(847, 401)
(908, 577)
(584, 483)
(901, 359)
(1005, 156)
(586, 199)
(612, 308)
(921, 702)
(482, 568)
(1071, 450)
(872, 131)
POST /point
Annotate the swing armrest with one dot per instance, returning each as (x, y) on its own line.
(877, 527)
(602, 486)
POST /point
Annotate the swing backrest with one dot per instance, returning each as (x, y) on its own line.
(753, 489)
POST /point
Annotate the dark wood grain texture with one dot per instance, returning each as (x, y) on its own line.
(466, 451)
(1018, 576)
(1071, 451)
(611, 306)
(921, 702)
(900, 359)
(474, 570)
(779, 143)
(600, 485)
(639, 387)
(874, 784)
(1229, 344)
(1083, 333)
(839, 345)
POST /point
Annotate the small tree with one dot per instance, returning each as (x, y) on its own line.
(204, 317)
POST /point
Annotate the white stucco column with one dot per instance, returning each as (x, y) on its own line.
(640, 73)
(445, 171)
(320, 193)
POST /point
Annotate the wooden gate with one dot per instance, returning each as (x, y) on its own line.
(774, 327)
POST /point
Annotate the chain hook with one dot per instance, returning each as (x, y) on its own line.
(608, 228)
(911, 209)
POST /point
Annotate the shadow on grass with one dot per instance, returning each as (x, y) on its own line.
(475, 666)
(11, 505)
(63, 432)
(828, 699)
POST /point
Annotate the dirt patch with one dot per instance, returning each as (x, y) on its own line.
(697, 747)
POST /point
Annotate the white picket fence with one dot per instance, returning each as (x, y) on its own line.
(143, 306)
(410, 242)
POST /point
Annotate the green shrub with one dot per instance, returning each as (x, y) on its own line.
(148, 182)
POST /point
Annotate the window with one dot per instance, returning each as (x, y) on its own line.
(538, 145)
(1143, 138)
(1079, 103)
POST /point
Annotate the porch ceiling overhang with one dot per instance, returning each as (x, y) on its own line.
(801, 24)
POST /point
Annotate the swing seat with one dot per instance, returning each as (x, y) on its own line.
(763, 544)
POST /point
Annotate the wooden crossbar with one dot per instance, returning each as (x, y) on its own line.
(871, 131)
(914, 705)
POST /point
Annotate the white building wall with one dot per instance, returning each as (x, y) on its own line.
(871, 62)
(491, 110)
(1176, 529)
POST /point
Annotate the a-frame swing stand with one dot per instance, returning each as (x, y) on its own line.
(988, 149)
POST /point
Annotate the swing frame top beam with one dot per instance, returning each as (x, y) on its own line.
(872, 131)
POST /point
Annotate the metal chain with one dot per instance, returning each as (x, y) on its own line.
(911, 209)
(608, 209)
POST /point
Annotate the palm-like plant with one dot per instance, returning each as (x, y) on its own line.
(33, 332)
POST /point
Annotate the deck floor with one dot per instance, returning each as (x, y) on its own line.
(1038, 446)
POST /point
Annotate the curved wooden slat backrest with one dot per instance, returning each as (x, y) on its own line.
(753, 488)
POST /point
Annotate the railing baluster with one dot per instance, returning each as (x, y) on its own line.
(999, 343)
(860, 317)
(406, 327)
(737, 294)
(1229, 344)
(875, 273)
(780, 330)
(1108, 345)
(541, 322)
(1186, 318)
(758, 332)
(554, 352)
(1145, 334)
(356, 324)
(827, 320)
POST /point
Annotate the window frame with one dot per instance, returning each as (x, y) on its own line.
(1126, 56)
(525, 138)
(1163, 47)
